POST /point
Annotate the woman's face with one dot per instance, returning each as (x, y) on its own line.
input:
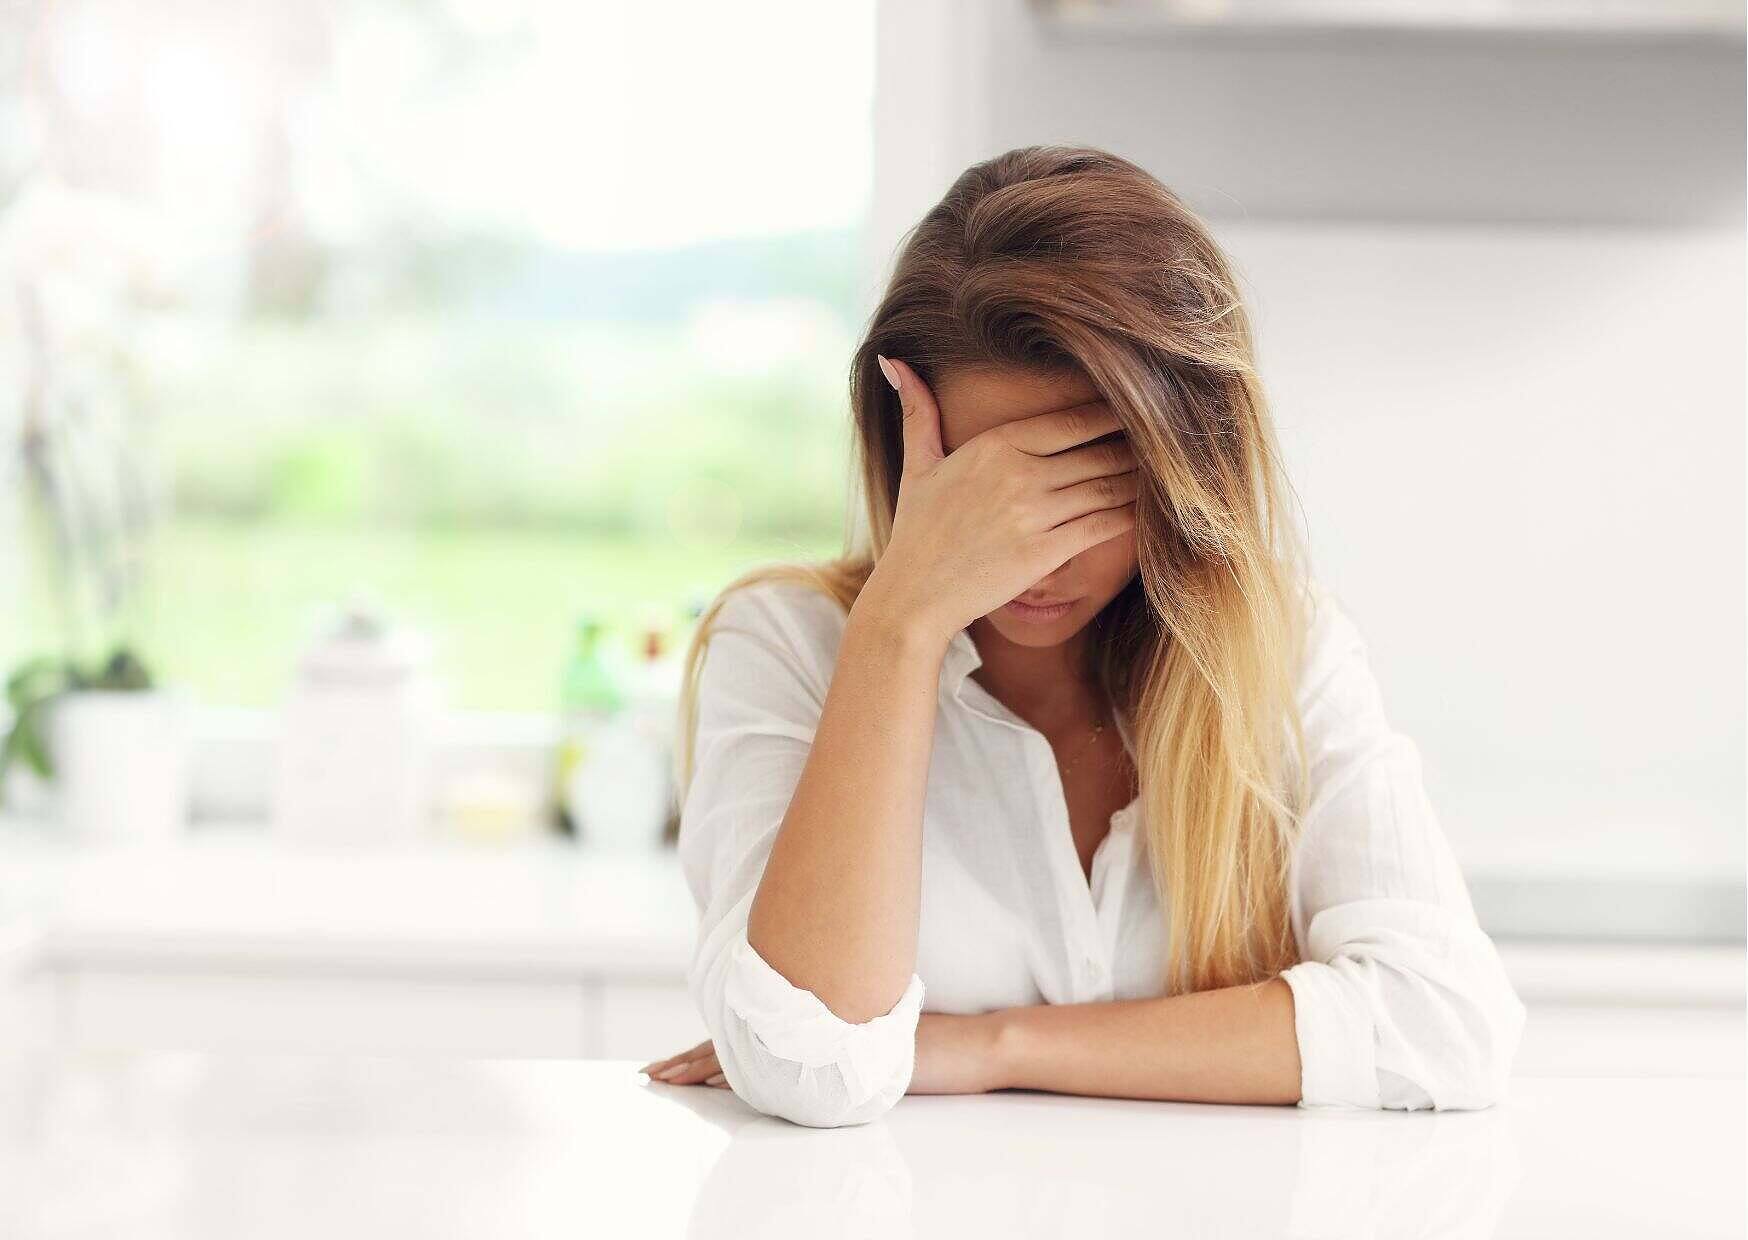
(975, 400)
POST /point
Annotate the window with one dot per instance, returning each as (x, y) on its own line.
(494, 313)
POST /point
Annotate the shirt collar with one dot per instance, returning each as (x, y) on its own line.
(962, 658)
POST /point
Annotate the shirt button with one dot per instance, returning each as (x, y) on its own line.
(1094, 971)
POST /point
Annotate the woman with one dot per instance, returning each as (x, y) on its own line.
(1074, 746)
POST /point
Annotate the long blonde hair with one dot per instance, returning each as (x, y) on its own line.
(1060, 258)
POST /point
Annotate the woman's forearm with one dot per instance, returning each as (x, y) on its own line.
(1231, 1045)
(837, 906)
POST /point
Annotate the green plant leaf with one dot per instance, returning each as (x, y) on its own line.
(27, 732)
(29, 690)
(24, 742)
(34, 680)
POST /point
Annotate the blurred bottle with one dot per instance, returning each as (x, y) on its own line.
(696, 602)
(354, 756)
(590, 697)
(655, 701)
(618, 792)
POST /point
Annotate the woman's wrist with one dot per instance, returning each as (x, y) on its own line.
(1003, 1031)
(905, 623)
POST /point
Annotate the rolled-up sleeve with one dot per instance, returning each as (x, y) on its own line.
(1400, 999)
(760, 692)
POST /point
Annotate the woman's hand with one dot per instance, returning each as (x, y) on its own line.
(695, 1066)
(981, 526)
(954, 1055)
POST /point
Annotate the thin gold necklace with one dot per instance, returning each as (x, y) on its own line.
(1098, 730)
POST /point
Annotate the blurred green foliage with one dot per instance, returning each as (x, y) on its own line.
(488, 450)
(435, 422)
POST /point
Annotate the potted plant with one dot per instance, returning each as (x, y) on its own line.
(114, 747)
(86, 719)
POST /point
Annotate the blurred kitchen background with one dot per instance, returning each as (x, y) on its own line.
(386, 384)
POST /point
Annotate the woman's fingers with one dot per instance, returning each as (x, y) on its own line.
(693, 1052)
(1072, 537)
(922, 417)
(1045, 434)
(1092, 495)
(688, 1053)
(689, 1071)
(1093, 460)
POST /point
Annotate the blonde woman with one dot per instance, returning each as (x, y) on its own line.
(1073, 753)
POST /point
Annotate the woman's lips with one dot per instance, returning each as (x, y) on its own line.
(1022, 610)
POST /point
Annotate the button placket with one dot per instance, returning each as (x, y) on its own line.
(1087, 960)
(1111, 871)
(1075, 897)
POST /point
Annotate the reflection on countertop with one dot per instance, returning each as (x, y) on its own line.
(193, 1146)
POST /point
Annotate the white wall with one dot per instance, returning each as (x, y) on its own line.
(1520, 454)
(1500, 298)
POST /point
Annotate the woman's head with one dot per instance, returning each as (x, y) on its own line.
(1079, 267)
(1049, 275)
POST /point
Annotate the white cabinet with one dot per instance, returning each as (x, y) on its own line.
(1596, 1040)
(129, 1010)
(644, 1021)
(27, 1024)
(191, 1011)
(228, 940)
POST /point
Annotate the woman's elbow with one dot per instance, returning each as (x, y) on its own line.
(816, 1097)
(1479, 1054)
(1488, 1079)
(789, 1056)
(811, 1111)
(786, 1077)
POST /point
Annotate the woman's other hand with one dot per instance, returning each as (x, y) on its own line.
(695, 1066)
(978, 527)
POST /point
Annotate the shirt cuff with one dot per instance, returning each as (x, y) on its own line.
(794, 1024)
(1337, 1041)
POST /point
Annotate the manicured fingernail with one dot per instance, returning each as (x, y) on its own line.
(715, 1080)
(669, 1073)
(887, 370)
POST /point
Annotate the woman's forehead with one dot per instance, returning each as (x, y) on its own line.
(973, 400)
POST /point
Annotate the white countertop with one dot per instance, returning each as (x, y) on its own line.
(245, 1148)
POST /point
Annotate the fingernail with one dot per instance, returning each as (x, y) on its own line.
(667, 1073)
(887, 370)
(715, 1080)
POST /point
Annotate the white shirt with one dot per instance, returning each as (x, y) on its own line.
(1400, 999)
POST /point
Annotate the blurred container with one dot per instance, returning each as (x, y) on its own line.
(486, 806)
(655, 704)
(616, 794)
(614, 782)
(121, 763)
(591, 695)
(697, 601)
(354, 754)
